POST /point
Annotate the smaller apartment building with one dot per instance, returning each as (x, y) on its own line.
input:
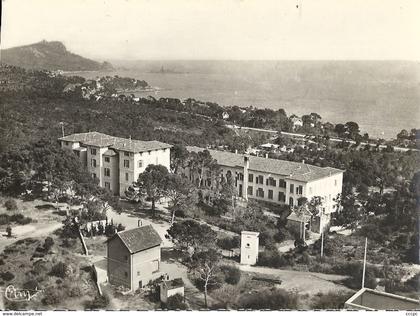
(116, 162)
(278, 181)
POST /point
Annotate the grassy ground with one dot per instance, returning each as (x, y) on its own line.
(30, 266)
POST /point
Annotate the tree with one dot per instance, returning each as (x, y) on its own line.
(191, 234)
(10, 205)
(179, 191)
(179, 158)
(273, 299)
(153, 183)
(352, 129)
(199, 163)
(175, 302)
(205, 266)
(351, 213)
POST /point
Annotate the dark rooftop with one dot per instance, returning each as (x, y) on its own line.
(289, 169)
(103, 140)
(139, 239)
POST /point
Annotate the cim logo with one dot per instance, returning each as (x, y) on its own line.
(20, 295)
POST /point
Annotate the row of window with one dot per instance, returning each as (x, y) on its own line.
(108, 174)
(126, 153)
(268, 181)
(126, 163)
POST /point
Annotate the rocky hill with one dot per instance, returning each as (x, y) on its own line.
(51, 56)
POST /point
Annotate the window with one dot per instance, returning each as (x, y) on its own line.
(125, 258)
(94, 175)
(155, 266)
(93, 151)
(249, 191)
(282, 183)
(299, 190)
(138, 273)
(241, 176)
(126, 274)
(250, 177)
(107, 172)
(260, 192)
(270, 194)
(107, 159)
(260, 180)
(126, 153)
(140, 163)
(93, 163)
(272, 182)
(66, 143)
(292, 187)
(282, 197)
(291, 201)
(107, 185)
(126, 176)
(77, 153)
(126, 163)
(335, 182)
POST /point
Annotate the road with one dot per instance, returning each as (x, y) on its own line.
(337, 140)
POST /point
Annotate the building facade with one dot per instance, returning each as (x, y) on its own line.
(116, 162)
(133, 257)
(278, 181)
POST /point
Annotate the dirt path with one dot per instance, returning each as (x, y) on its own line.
(302, 282)
(26, 231)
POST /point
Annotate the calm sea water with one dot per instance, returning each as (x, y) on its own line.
(382, 97)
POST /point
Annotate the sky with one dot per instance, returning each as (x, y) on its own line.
(219, 29)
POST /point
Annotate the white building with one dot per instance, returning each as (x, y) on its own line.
(170, 288)
(116, 162)
(278, 181)
(249, 247)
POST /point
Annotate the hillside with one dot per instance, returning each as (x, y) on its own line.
(51, 56)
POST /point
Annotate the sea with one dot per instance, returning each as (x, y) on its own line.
(383, 97)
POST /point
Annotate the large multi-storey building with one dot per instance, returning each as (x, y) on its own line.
(278, 181)
(116, 162)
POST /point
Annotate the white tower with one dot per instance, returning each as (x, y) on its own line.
(249, 247)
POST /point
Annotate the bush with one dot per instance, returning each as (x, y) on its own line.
(175, 302)
(52, 296)
(273, 299)
(232, 274)
(274, 259)
(74, 291)
(48, 243)
(60, 270)
(7, 276)
(229, 243)
(330, 300)
(99, 302)
(31, 284)
(4, 219)
(10, 205)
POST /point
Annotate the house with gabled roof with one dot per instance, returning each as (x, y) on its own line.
(134, 257)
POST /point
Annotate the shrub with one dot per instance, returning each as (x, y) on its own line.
(229, 243)
(74, 291)
(274, 259)
(330, 300)
(4, 219)
(31, 284)
(120, 227)
(99, 302)
(1, 262)
(175, 302)
(60, 270)
(52, 296)
(10, 205)
(232, 274)
(48, 243)
(7, 276)
(273, 299)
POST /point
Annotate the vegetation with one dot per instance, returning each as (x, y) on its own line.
(330, 300)
(175, 302)
(272, 299)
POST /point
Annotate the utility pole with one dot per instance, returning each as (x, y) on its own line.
(364, 266)
(322, 243)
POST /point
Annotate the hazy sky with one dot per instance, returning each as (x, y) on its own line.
(219, 29)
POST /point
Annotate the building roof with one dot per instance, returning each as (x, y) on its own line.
(375, 300)
(110, 152)
(174, 284)
(103, 140)
(289, 169)
(139, 239)
(298, 218)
